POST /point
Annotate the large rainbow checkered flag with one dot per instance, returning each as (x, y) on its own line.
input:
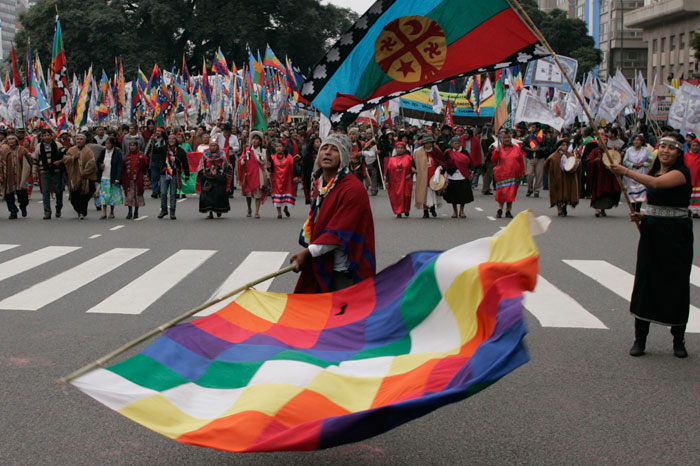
(397, 47)
(274, 371)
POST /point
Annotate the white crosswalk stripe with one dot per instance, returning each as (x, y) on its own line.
(54, 288)
(135, 297)
(554, 308)
(621, 283)
(33, 259)
(257, 264)
(7, 247)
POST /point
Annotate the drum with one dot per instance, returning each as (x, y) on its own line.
(438, 182)
(571, 163)
(615, 158)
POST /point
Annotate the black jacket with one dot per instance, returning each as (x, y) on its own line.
(181, 163)
(115, 171)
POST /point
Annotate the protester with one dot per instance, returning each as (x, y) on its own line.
(133, 135)
(252, 172)
(81, 174)
(692, 161)
(213, 181)
(109, 172)
(605, 189)
(638, 157)
(135, 167)
(509, 168)
(399, 170)
(155, 150)
(48, 171)
(661, 291)
(535, 152)
(309, 158)
(15, 170)
(282, 176)
(459, 188)
(172, 165)
(339, 233)
(427, 158)
(563, 184)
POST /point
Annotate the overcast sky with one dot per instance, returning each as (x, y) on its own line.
(358, 5)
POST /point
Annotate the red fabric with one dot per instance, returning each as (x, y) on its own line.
(600, 180)
(282, 178)
(509, 163)
(458, 160)
(249, 172)
(692, 161)
(193, 160)
(136, 165)
(475, 152)
(344, 220)
(399, 182)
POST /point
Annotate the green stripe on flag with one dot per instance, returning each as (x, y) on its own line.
(228, 374)
(148, 373)
(421, 297)
(292, 355)
(454, 19)
(397, 348)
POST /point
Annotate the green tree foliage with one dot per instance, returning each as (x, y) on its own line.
(568, 37)
(695, 43)
(145, 32)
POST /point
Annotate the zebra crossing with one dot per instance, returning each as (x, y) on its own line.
(550, 305)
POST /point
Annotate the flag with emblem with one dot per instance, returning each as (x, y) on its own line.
(401, 46)
(59, 72)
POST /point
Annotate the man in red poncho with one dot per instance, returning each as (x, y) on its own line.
(398, 172)
(339, 233)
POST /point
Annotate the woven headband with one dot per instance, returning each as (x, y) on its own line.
(671, 142)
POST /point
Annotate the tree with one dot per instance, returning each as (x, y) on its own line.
(146, 32)
(568, 37)
(695, 43)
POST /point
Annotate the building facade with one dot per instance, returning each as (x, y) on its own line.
(9, 23)
(668, 26)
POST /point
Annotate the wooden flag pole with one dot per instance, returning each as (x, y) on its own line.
(99, 362)
(516, 4)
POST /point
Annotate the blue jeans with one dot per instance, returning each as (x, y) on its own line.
(22, 198)
(155, 179)
(477, 172)
(52, 180)
(168, 186)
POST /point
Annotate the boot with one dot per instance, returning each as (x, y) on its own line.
(425, 213)
(638, 347)
(679, 350)
(433, 211)
(162, 213)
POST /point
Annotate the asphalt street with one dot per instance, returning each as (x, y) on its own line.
(580, 400)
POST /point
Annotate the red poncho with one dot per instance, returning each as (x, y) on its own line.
(282, 180)
(344, 220)
(600, 180)
(249, 168)
(509, 168)
(399, 182)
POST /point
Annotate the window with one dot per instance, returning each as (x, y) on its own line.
(672, 44)
(663, 44)
(655, 46)
(681, 41)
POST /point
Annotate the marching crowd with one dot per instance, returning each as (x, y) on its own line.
(417, 166)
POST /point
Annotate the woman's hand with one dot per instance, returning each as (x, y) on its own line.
(301, 259)
(618, 169)
(636, 217)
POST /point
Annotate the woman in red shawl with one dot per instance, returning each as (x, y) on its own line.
(398, 172)
(605, 190)
(339, 233)
(692, 161)
(282, 180)
(252, 172)
(508, 170)
(135, 167)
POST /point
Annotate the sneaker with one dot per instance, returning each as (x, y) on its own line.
(136, 216)
(499, 213)
(47, 216)
(638, 347)
(13, 216)
(104, 217)
(537, 194)
(162, 213)
(508, 214)
(529, 193)
(679, 350)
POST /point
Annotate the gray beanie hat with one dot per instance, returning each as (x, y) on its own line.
(342, 143)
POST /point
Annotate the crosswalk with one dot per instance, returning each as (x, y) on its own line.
(549, 304)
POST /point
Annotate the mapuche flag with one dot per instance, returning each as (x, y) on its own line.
(401, 46)
(59, 73)
(274, 371)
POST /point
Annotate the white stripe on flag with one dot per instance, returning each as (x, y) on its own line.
(33, 259)
(135, 297)
(621, 283)
(54, 288)
(257, 264)
(554, 308)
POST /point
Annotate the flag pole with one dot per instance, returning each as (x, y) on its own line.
(108, 357)
(516, 4)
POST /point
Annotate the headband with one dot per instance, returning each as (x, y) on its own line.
(671, 142)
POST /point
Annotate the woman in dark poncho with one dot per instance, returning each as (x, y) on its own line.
(665, 253)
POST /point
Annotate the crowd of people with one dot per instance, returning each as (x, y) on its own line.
(418, 166)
